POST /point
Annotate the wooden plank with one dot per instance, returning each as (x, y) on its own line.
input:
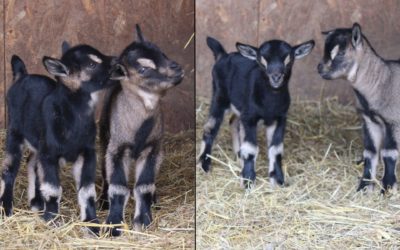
(228, 21)
(2, 80)
(37, 28)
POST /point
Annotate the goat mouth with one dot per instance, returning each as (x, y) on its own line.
(275, 85)
(325, 75)
(176, 79)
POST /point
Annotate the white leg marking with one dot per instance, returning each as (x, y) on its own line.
(202, 148)
(84, 194)
(373, 157)
(62, 162)
(210, 124)
(269, 131)
(77, 170)
(141, 161)
(273, 151)
(235, 131)
(376, 133)
(391, 153)
(146, 188)
(31, 177)
(247, 149)
(137, 191)
(2, 187)
(48, 190)
(159, 160)
(29, 146)
(118, 190)
(235, 110)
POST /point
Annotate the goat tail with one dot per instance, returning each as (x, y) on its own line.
(18, 68)
(216, 48)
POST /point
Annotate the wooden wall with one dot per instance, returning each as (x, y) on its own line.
(255, 21)
(33, 29)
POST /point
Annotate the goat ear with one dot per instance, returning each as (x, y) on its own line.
(118, 72)
(64, 47)
(356, 35)
(247, 51)
(327, 33)
(139, 35)
(303, 49)
(55, 67)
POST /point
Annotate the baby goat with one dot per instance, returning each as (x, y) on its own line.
(253, 84)
(376, 84)
(131, 128)
(55, 120)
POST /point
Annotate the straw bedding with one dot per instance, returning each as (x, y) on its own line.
(318, 209)
(173, 226)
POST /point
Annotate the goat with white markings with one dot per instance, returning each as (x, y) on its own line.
(253, 84)
(375, 81)
(55, 120)
(131, 128)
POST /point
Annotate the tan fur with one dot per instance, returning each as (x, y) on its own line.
(123, 128)
(74, 81)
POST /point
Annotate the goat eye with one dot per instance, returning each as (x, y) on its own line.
(92, 65)
(143, 70)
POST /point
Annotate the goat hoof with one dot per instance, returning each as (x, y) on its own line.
(114, 231)
(247, 184)
(36, 205)
(389, 187)
(365, 186)
(142, 221)
(115, 219)
(48, 216)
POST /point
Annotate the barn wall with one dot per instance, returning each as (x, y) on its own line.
(37, 28)
(256, 21)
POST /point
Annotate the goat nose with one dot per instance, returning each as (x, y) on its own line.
(276, 77)
(114, 60)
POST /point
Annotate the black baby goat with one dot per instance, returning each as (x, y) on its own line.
(253, 84)
(55, 121)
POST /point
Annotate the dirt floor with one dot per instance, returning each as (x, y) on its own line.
(319, 207)
(173, 226)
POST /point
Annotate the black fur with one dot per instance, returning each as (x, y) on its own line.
(56, 121)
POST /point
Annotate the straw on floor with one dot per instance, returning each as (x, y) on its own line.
(173, 226)
(319, 207)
